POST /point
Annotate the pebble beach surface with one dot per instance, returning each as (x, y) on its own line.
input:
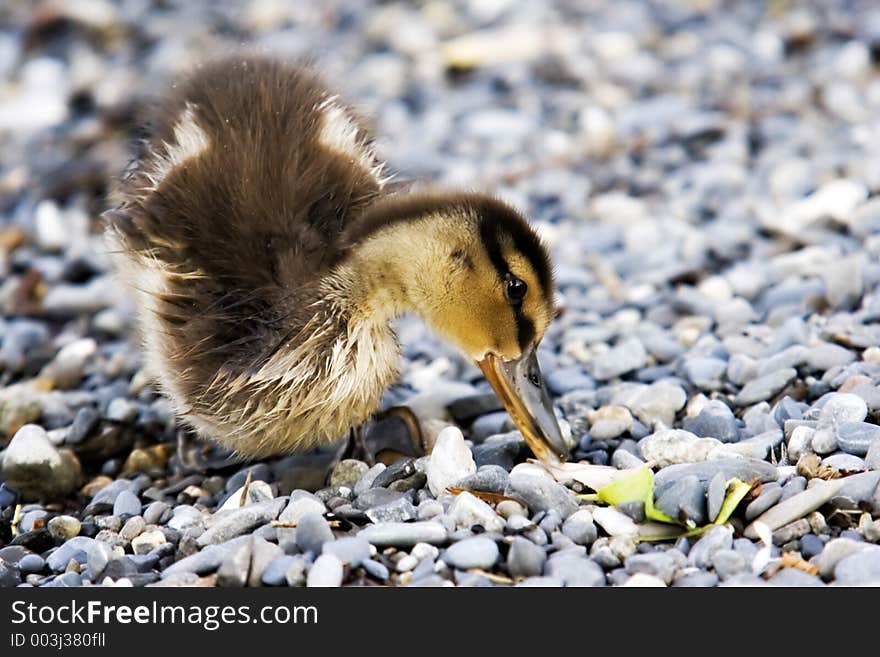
(706, 175)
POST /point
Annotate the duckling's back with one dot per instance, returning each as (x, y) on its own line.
(233, 214)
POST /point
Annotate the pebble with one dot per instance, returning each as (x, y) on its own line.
(626, 356)
(477, 552)
(765, 387)
(857, 437)
(327, 571)
(614, 522)
(404, 534)
(657, 564)
(352, 550)
(795, 507)
(524, 558)
(75, 548)
(63, 528)
(126, 504)
(36, 469)
(468, 511)
(239, 521)
(312, 532)
(450, 462)
(715, 420)
(147, 541)
(702, 552)
(541, 493)
(580, 528)
(859, 569)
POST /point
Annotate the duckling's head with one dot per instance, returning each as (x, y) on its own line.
(478, 274)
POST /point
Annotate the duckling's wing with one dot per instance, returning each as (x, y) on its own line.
(228, 224)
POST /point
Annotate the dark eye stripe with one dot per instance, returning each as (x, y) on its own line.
(525, 329)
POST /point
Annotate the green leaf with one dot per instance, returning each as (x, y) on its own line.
(637, 487)
(736, 491)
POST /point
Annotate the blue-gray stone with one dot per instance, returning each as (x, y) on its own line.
(126, 504)
(715, 420)
(686, 498)
(275, 572)
(477, 552)
(524, 558)
(75, 548)
(857, 437)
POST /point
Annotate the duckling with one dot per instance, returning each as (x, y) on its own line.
(267, 256)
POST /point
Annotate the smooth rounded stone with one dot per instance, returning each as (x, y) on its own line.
(686, 498)
(859, 569)
(233, 570)
(622, 459)
(716, 492)
(450, 461)
(275, 572)
(741, 369)
(31, 563)
(795, 507)
(132, 528)
(488, 478)
(705, 373)
(404, 534)
(312, 532)
(745, 469)
(575, 571)
(10, 575)
(352, 550)
(844, 463)
(98, 556)
(85, 422)
(468, 510)
(857, 437)
(262, 554)
(795, 578)
(230, 524)
(299, 506)
(695, 578)
(728, 562)
(715, 420)
(823, 441)
(185, 517)
(157, 513)
(860, 487)
(768, 497)
(673, 446)
(610, 422)
(147, 541)
(626, 356)
(258, 491)
(376, 497)
(580, 528)
(348, 472)
(614, 522)
(765, 387)
(811, 545)
(836, 550)
(477, 552)
(540, 492)
(717, 538)
(397, 510)
(75, 548)
(826, 356)
(658, 564)
(800, 442)
(127, 504)
(744, 580)
(842, 407)
(524, 558)
(36, 469)
(327, 571)
(502, 450)
(62, 528)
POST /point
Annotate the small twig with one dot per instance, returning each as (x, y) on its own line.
(244, 491)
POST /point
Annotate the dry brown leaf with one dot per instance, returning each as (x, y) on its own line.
(795, 560)
(486, 496)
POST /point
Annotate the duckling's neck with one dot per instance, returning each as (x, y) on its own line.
(399, 267)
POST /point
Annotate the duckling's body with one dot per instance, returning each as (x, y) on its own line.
(267, 260)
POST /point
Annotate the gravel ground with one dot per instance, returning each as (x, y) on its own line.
(706, 174)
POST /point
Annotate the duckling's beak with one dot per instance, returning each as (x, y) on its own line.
(520, 387)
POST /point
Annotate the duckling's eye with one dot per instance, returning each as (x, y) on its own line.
(516, 289)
